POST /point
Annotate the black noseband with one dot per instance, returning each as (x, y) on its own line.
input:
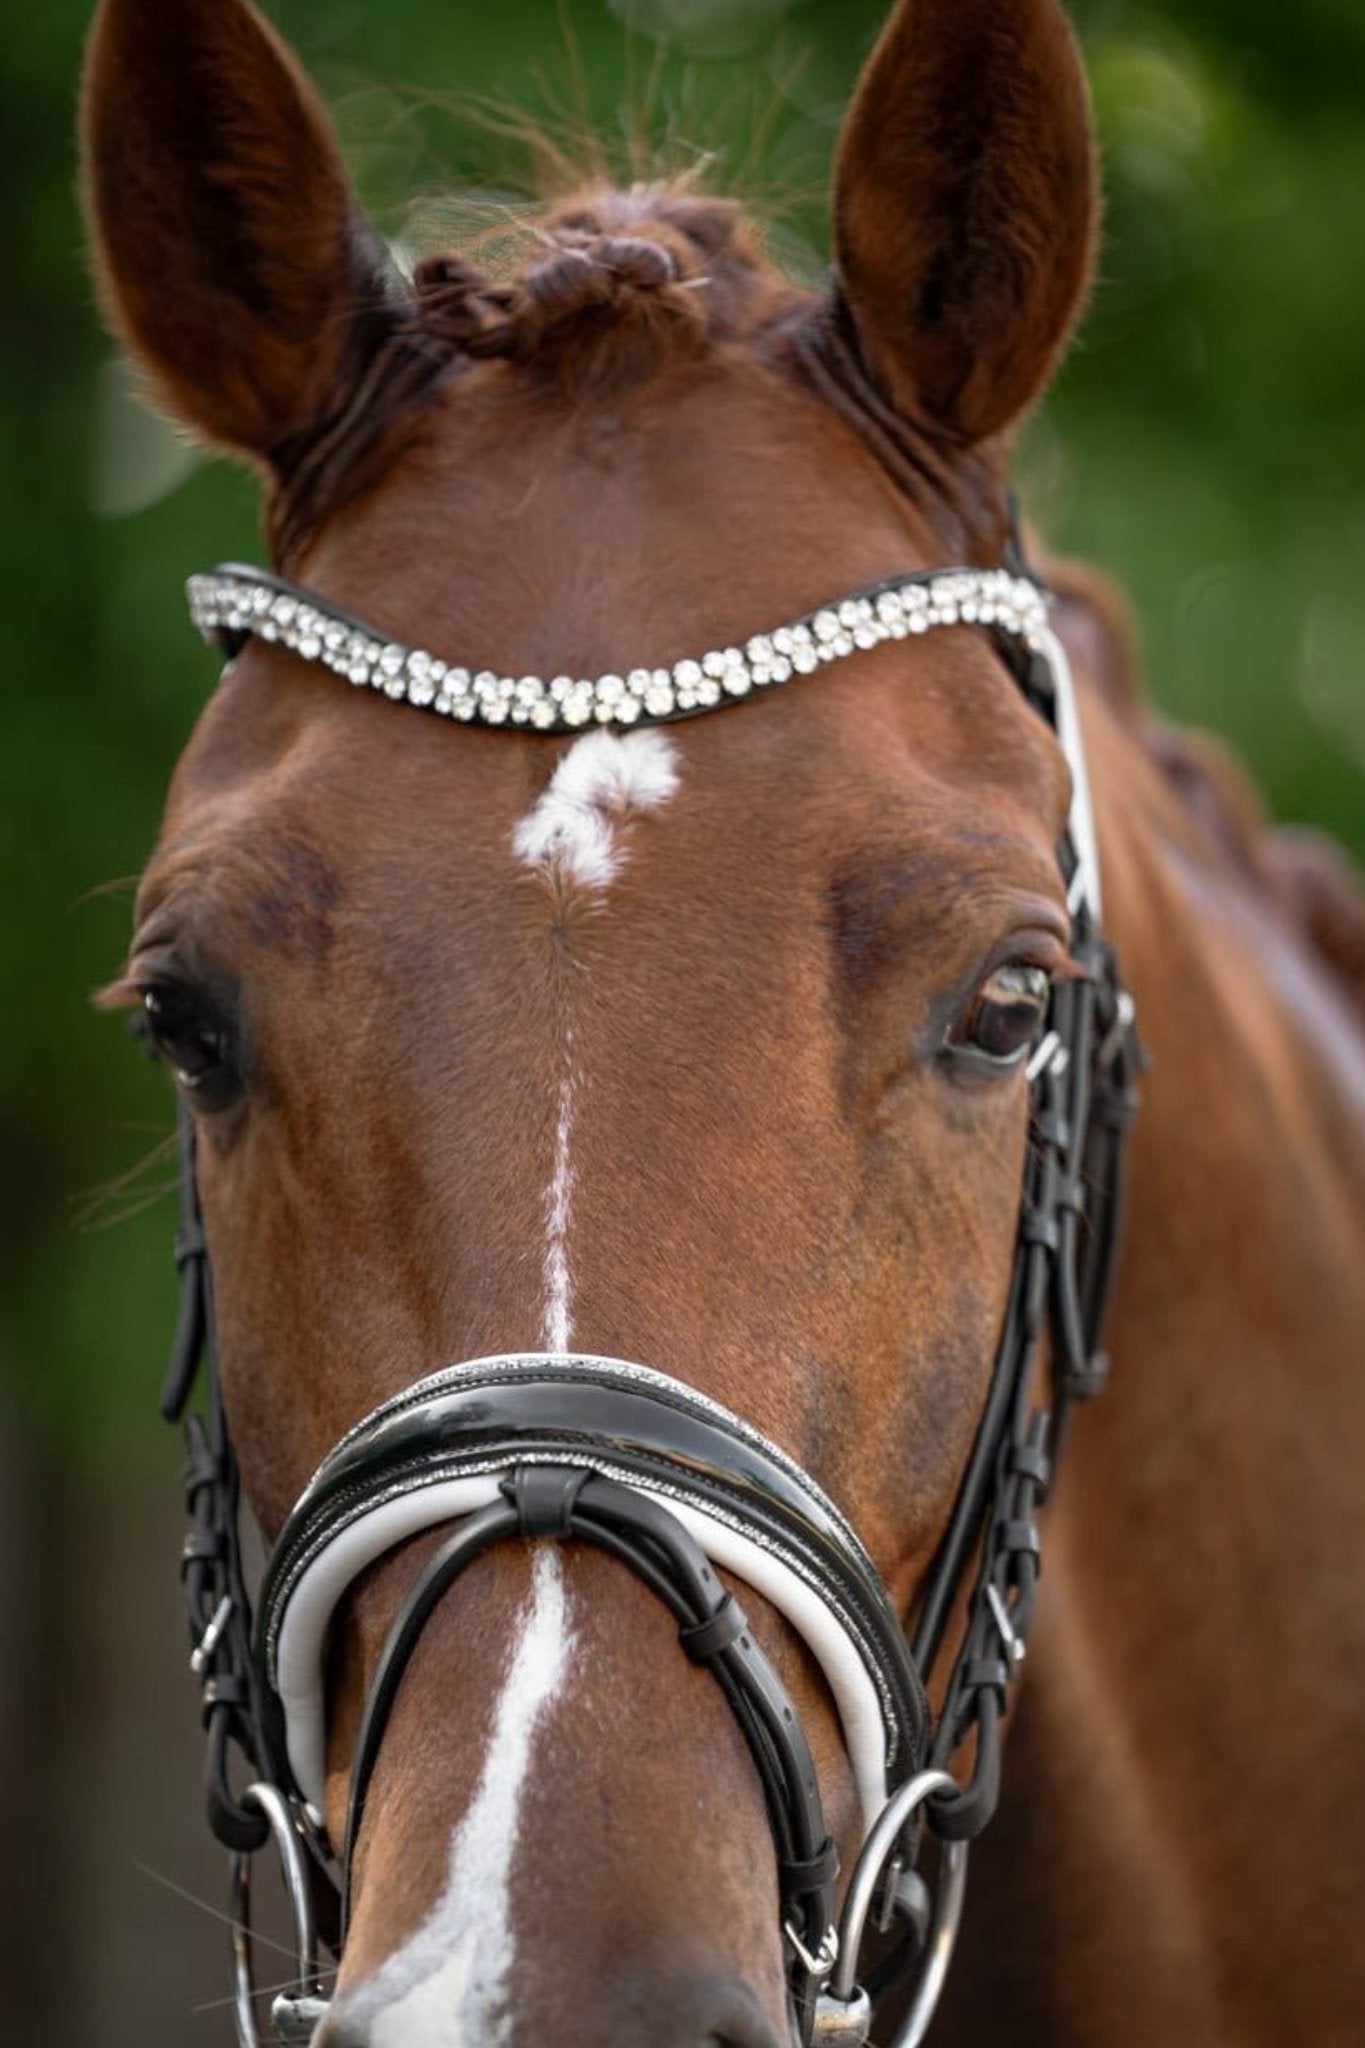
(631, 1424)
(557, 1501)
(600, 1451)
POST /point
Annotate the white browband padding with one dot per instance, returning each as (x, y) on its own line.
(1081, 822)
(299, 1654)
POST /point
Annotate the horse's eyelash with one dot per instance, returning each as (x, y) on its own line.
(125, 992)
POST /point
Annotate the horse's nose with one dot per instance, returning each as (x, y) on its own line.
(709, 2012)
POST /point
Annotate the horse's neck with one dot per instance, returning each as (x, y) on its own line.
(1186, 1777)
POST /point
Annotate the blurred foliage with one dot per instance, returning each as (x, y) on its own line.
(1206, 443)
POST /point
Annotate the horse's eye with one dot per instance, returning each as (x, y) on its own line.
(1003, 1018)
(187, 1033)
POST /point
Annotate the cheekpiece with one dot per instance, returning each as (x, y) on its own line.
(233, 602)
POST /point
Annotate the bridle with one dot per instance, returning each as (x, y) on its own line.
(570, 1447)
(611, 1453)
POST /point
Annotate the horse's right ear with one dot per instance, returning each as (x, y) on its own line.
(965, 209)
(231, 254)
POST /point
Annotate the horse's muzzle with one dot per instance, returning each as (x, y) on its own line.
(700, 2011)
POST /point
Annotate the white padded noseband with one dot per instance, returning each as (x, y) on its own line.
(297, 1645)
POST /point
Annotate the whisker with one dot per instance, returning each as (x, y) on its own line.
(214, 1912)
(98, 1208)
(116, 886)
(262, 1990)
(112, 1218)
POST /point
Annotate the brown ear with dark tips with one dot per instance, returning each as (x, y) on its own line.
(232, 257)
(966, 208)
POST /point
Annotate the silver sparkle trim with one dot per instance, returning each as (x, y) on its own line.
(351, 1502)
(233, 600)
(354, 1503)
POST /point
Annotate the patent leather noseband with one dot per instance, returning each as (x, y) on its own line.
(608, 1452)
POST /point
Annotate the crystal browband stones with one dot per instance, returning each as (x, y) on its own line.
(231, 603)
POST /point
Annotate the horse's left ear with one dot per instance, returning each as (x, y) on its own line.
(231, 253)
(966, 207)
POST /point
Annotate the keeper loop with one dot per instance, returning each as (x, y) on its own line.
(1030, 1461)
(1050, 1128)
(705, 1640)
(801, 1876)
(1084, 1382)
(224, 1690)
(544, 1497)
(1039, 1226)
(986, 1674)
(201, 1463)
(201, 1470)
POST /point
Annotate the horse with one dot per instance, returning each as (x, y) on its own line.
(724, 1048)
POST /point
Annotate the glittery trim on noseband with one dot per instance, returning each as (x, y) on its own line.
(232, 603)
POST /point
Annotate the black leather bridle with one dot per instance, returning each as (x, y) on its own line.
(607, 1452)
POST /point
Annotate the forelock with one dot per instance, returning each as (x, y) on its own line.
(610, 286)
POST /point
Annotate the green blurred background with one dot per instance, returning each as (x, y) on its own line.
(1206, 444)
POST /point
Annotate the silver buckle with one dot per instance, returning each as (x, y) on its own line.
(296, 2020)
(212, 1636)
(825, 1957)
(1125, 1011)
(1049, 1054)
(1016, 1649)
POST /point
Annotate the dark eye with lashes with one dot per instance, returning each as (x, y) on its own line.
(186, 1029)
(1002, 1021)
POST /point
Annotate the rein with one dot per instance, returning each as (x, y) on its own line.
(609, 1452)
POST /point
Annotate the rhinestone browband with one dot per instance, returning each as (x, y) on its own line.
(233, 602)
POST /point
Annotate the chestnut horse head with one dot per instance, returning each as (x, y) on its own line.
(710, 1046)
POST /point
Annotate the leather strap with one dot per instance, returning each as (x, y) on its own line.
(553, 1502)
(643, 1429)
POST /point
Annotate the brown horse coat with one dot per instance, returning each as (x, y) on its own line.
(771, 1183)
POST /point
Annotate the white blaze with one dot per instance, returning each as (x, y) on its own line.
(573, 838)
(448, 1986)
(558, 1326)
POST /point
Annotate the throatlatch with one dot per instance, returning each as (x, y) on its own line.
(573, 1448)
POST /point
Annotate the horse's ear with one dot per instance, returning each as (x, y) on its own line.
(966, 207)
(231, 254)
